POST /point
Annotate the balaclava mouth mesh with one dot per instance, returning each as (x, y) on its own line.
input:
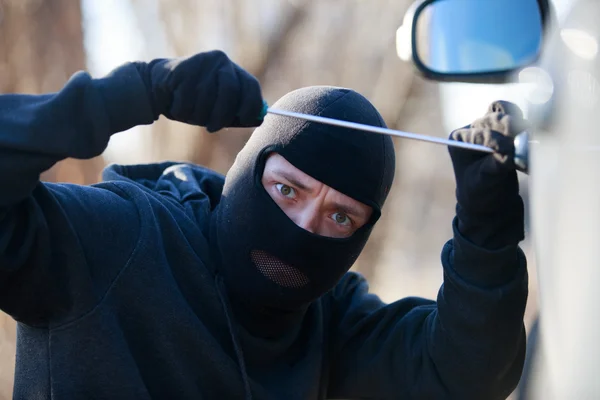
(264, 257)
(278, 271)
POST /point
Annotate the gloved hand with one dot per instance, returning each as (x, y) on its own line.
(206, 89)
(489, 207)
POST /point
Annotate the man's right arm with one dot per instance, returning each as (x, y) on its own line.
(206, 89)
(37, 131)
(39, 246)
(48, 231)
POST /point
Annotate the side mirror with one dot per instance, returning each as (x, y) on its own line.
(476, 41)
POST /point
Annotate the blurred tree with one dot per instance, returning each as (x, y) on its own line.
(41, 45)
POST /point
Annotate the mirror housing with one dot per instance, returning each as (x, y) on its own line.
(445, 39)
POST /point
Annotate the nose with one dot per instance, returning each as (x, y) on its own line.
(308, 219)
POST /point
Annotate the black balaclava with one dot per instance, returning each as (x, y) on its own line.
(266, 260)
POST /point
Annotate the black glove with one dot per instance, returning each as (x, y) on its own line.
(489, 207)
(206, 89)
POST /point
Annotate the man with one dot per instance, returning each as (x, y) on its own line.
(170, 281)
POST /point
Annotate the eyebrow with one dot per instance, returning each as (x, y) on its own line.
(345, 208)
(350, 209)
(293, 180)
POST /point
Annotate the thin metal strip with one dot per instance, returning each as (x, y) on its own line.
(383, 131)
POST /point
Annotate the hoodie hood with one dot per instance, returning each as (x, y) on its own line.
(177, 179)
(188, 184)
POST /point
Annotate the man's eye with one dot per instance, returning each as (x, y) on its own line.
(286, 190)
(341, 219)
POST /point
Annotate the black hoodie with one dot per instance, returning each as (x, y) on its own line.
(117, 295)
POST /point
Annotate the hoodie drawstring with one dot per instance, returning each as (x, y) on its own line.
(236, 345)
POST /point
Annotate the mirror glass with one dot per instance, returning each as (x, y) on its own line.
(477, 36)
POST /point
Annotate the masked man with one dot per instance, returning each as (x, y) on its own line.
(171, 281)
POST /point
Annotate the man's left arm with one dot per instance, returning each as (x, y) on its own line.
(470, 344)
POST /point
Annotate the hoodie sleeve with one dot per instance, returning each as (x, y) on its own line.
(41, 223)
(470, 344)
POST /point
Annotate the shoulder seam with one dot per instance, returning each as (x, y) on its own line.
(132, 255)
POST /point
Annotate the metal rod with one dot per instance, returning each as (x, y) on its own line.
(383, 131)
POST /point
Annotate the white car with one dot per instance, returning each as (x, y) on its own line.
(547, 54)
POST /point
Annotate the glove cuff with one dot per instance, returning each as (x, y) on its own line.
(123, 93)
(485, 268)
(158, 98)
(499, 228)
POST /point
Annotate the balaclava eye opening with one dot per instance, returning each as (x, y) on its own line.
(265, 258)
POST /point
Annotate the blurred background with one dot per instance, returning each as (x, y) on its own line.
(286, 44)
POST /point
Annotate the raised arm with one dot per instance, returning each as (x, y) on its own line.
(470, 344)
(47, 231)
(38, 131)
